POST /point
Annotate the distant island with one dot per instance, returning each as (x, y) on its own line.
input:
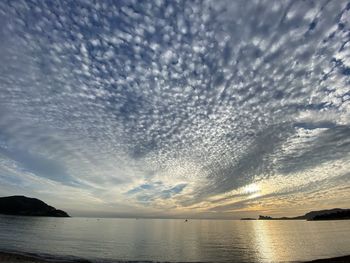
(25, 206)
(330, 214)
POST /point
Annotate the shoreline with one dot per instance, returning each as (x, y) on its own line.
(18, 257)
(342, 259)
(12, 257)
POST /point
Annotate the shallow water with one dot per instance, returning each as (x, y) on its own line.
(176, 240)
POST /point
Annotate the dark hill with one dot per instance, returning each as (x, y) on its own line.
(313, 215)
(25, 206)
(333, 215)
(330, 214)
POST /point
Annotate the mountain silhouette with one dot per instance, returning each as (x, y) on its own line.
(329, 214)
(25, 206)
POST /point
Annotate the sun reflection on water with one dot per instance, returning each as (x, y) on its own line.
(261, 230)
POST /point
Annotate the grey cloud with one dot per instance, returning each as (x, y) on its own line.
(40, 166)
(151, 192)
(331, 144)
(195, 91)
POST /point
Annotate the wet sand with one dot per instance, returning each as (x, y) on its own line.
(7, 257)
(13, 258)
(344, 259)
(16, 258)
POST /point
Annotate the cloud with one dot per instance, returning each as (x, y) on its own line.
(39, 166)
(172, 105)
(152, 192)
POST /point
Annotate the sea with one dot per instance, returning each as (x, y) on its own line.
(173, 240)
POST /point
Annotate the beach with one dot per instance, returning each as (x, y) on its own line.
(7, 257)
(343, 259)
(14, 258)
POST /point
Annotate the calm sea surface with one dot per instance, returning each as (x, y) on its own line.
(175, 240)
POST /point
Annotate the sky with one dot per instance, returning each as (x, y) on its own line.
(202, 109)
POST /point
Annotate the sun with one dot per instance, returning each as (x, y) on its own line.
(251, 188)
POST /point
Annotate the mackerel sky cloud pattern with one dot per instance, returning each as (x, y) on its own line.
(170, 108)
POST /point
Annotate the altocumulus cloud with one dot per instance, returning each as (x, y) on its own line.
(175, 107)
